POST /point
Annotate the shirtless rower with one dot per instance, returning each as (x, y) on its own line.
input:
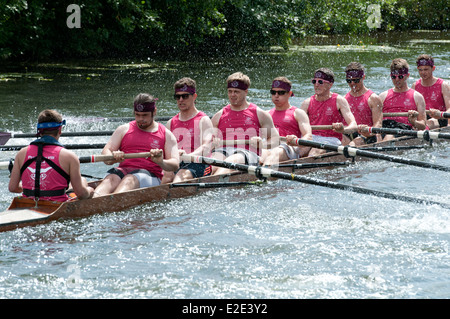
(141, 135)
(193, 130)
(56, 167)
(328, 108)
(365, 105)
(435, 91)
(288, 120)
(401, 99)
(241, 120)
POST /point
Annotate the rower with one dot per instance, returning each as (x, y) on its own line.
(327, 108)
(141, 135)
(193, 130)
(435, 91)
(54, 165)
(365, 105)
(401, 98)
(288, 120)
(243, 121)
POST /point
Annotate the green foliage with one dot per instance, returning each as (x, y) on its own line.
(37, 29)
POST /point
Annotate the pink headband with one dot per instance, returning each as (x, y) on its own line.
(145, 107)
(422, 62)
(321, 75)
(403, 71)
(185, 88)
(355, 74)
(237, 84)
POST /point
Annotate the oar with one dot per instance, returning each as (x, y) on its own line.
(263, 172)
(102, 158)
(399, 114)
(123, 119)
(215, 184)
(94, 158)
(352, 152)
(69, 147)
(5, 136)
(426, 135)
(314, 165)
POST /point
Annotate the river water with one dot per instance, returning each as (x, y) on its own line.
(281, 240)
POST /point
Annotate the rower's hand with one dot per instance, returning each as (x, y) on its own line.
(156, 155)
(257, 142)
(290, 140)
(435, 113)
(338, 127)
(363, 130)
(216, 143)
(119, 156)
(412, 116)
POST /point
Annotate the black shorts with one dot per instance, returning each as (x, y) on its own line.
(197, 169)
(442, 122)
(367, 140)
(396, 125)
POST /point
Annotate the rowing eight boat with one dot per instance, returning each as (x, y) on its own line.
(26, 212)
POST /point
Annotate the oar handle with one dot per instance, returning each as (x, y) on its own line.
(321, 127)
(426, 135)
(103, 158)
(399, 114)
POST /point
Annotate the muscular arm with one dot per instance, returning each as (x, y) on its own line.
(446, 95)
(171, 159)
(303, 124)
(15, 186)
(79, 184)
(346, 112)
(419, 122)
(114, 142)
(268, 128)
(206, 137)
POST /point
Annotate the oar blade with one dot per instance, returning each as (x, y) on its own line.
(4, 137)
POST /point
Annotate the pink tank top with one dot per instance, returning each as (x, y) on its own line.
(187, 132)
(50, 179)
(432, 94)
(359, 105)
(396, 102)
(136, 140)
(325, 113)
(239, 125)
(285, 121)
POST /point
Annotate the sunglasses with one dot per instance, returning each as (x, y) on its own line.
(353, 80)
(273, 92)
(184, 96)
(393, 77)
(319, 81)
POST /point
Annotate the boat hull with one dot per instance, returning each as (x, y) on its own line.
(23, 211)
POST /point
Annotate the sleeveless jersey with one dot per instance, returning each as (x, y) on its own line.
(239, 125)
(285, 121)
(432, 94)
(187, 132)
(398, 102)
(50, 179)
(136, 140)
(359, 105)
(325, 113)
